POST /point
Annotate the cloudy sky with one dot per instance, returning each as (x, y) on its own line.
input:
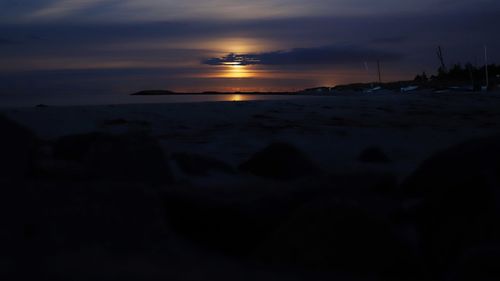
(122, 46)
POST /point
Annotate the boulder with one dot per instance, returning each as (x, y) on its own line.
(459, 190)
(343, 235)
(230, 220)
(364, 182)
(280, 161)
(75, 222)
(75, 147)
(200, 165)
(477, 264)
(18, 147)
(373, 154)
(129, 157)
(114, 216)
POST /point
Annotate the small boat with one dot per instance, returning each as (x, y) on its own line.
(408, 89)
(372, 90)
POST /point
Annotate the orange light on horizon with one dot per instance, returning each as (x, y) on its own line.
(236, 71)
(239, 45)
(237, 97)
(232, 63)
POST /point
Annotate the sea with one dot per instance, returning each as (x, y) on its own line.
(70, 99)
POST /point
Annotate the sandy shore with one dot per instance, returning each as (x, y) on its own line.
(331, 130)
(111, 205)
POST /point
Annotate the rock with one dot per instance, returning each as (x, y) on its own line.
(116, 216)
(213, 226)
(342, 235)
(373, 154)
(280, 161)
(477, 264)
(75, 222)
(134, 157)
(231, 221)
(75, 147)
(200, 165)
(364, 182)
(18, 147)
(460, 193)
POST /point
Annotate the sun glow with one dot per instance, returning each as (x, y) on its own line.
(237, 97)
(239, 45)
(237, 71)
(234, 63)
(231, 63)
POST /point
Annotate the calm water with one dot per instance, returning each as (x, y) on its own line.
(63, 100)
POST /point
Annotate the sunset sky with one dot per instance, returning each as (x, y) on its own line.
(122, 46)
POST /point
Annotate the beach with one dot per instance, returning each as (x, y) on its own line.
(331, 130)
(305, 189)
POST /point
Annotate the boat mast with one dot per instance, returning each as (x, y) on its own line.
(486, 66)
(379, 74)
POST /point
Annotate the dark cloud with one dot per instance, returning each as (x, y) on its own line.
(236, 59)
(406, 41)
(392, 29)
(155, 10)
(308, 56)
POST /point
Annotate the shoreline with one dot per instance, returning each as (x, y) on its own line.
(106, 100)
(167, 93)
(343, 125)
(111, 176)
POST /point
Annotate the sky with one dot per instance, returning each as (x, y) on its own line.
(123, 46)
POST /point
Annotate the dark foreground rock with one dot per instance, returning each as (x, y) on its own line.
(374, 154)
(18, 147)
(51, 224)
(362, 183)
(343, 235)
(477, 264)
(232, 221)
(130, 157)
(460, 193)
(280, 161)
(200, 165)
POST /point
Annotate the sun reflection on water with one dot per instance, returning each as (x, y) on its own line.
(237, 97)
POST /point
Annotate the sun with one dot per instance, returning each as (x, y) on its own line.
(236, 71)
(235, 65)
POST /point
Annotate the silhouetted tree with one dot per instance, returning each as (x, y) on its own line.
(421, 78)
(468, 73)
